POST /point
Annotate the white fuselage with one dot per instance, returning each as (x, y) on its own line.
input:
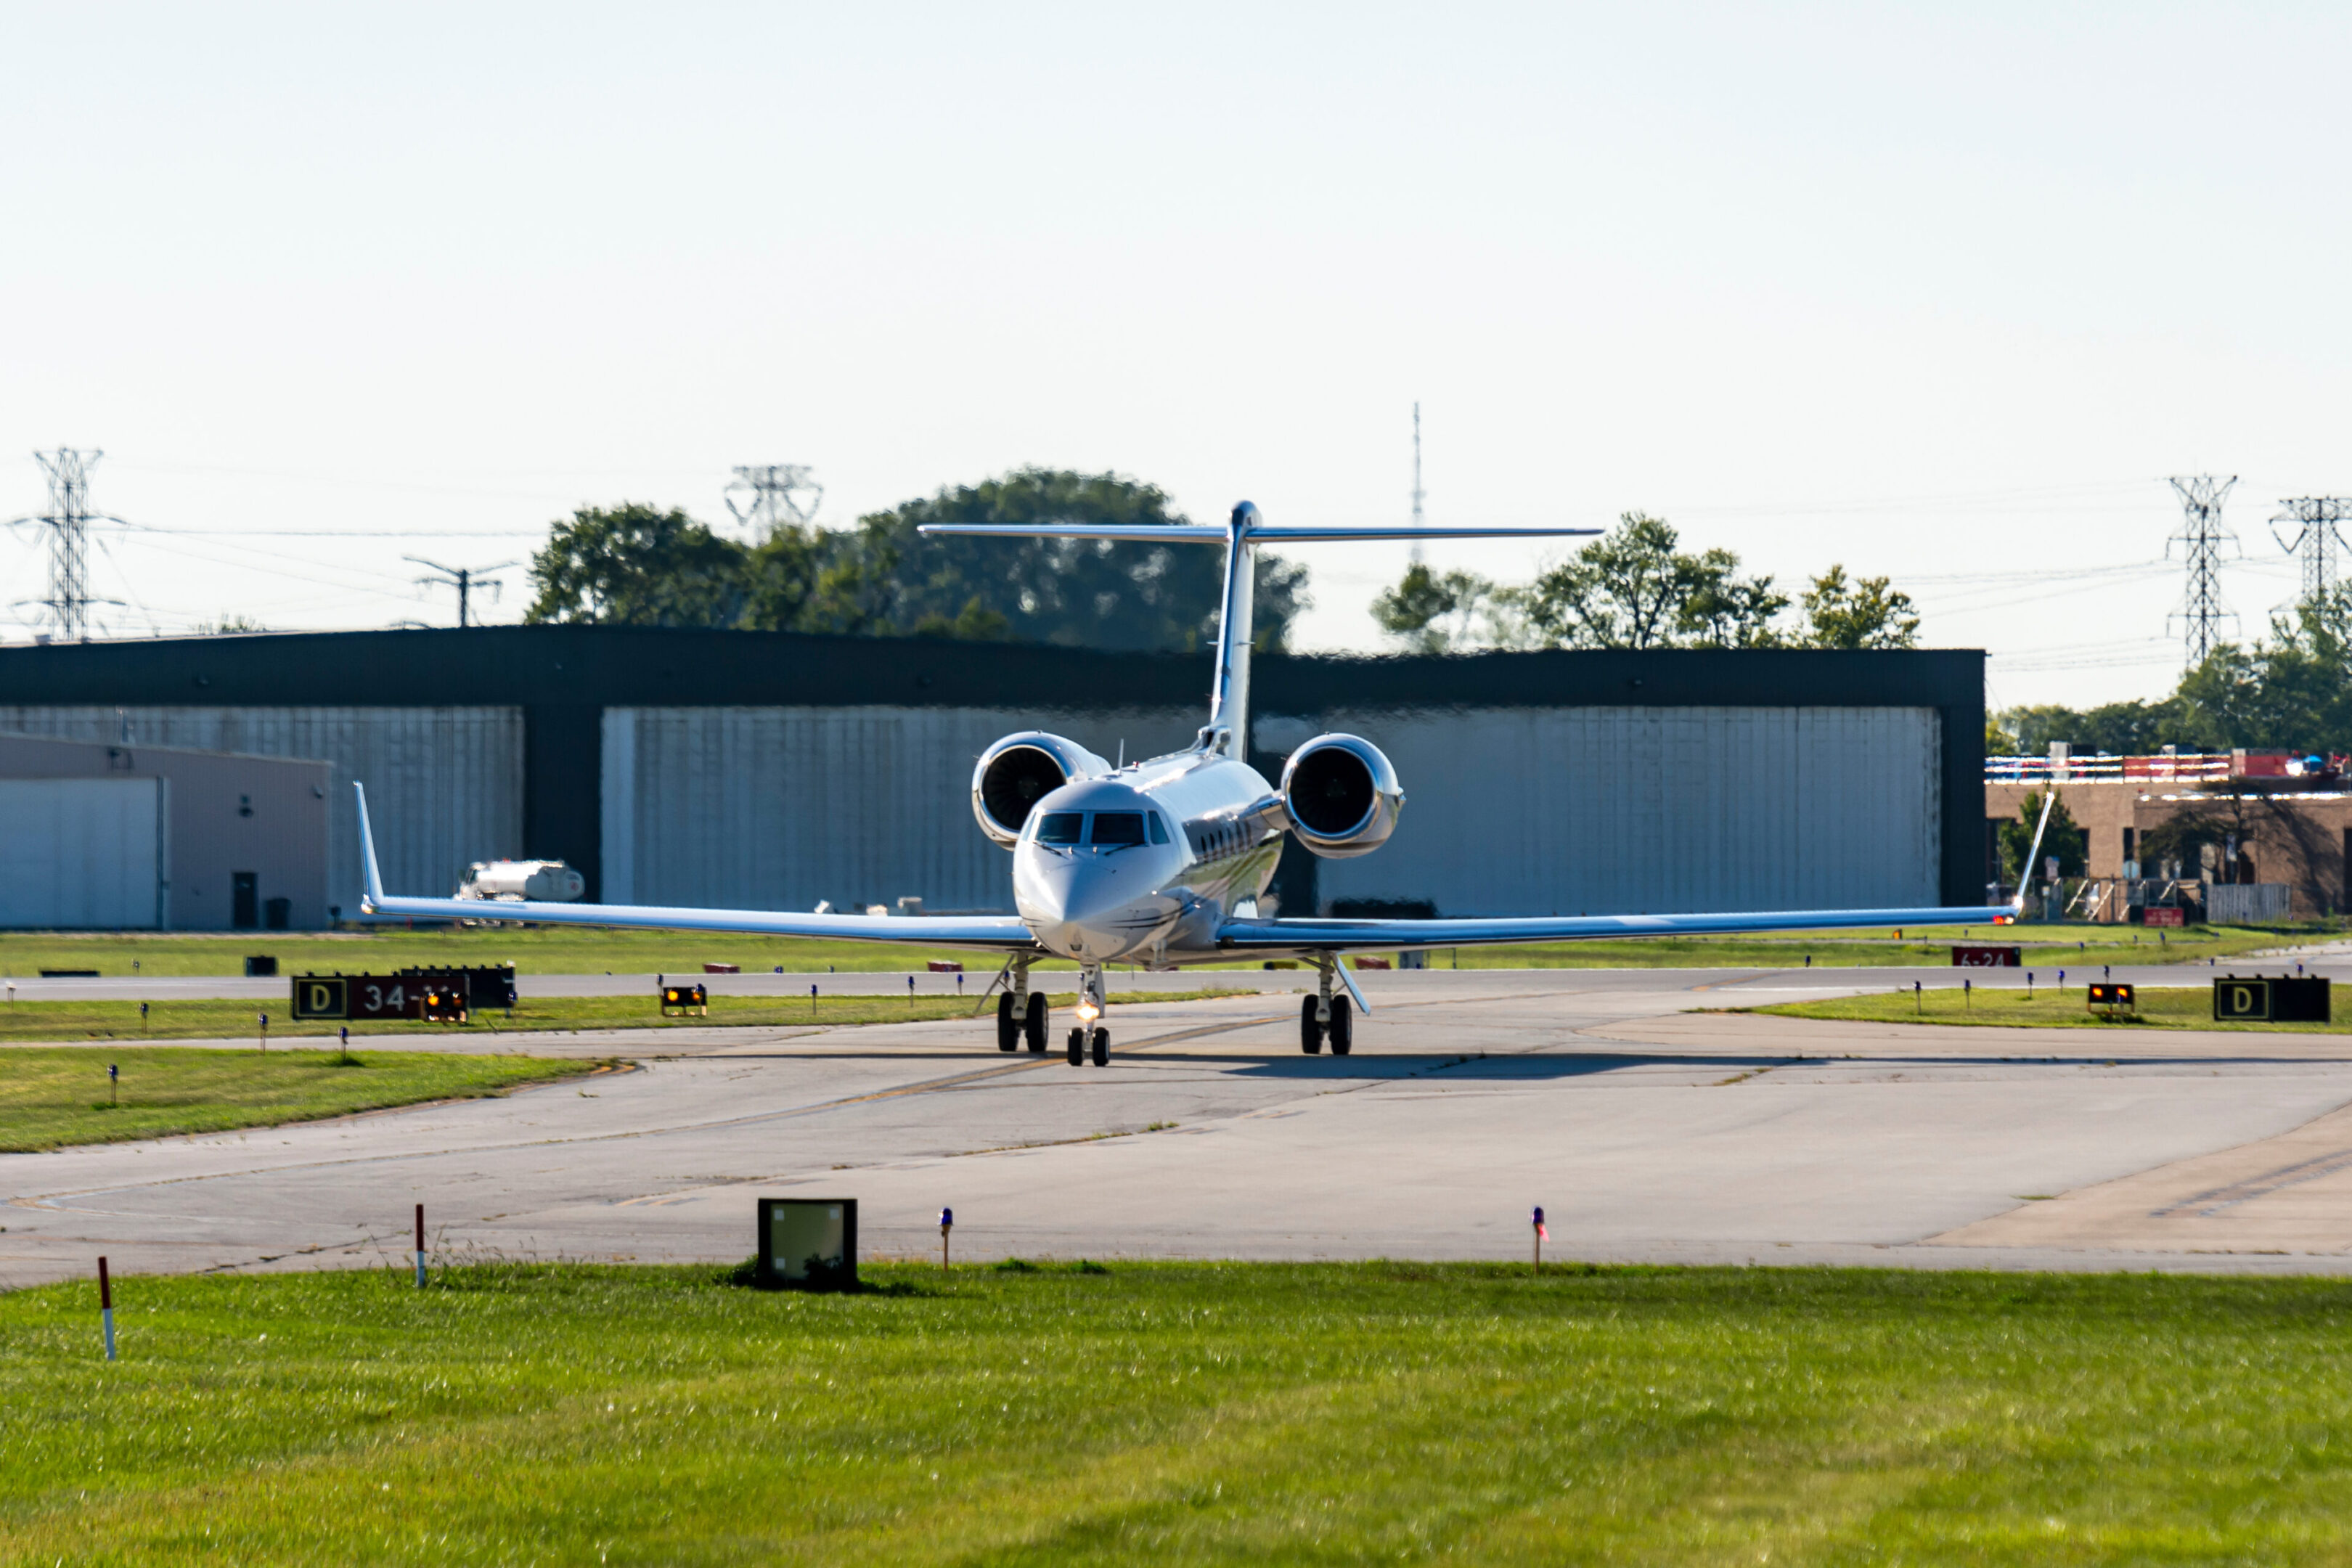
(1145, 865)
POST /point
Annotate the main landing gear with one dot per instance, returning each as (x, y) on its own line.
(1326, 1017)
(1020, 1016)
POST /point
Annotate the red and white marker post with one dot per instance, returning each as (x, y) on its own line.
(420, 1246)
(106, 1307)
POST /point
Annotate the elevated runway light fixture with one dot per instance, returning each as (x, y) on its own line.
(947, 1224)
(1541, 1232)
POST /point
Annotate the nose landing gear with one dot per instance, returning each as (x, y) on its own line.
(1090, 1038)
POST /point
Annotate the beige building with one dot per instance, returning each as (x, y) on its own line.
(2285, 833)
(127, 836)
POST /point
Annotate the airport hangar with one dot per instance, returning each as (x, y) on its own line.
(771, 771)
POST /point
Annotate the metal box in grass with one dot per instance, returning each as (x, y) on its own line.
(809, 1244)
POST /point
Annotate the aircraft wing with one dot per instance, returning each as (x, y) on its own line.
(1346, 935)
(995, 932)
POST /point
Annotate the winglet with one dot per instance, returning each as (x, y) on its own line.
(2025, 872)
(367, 852)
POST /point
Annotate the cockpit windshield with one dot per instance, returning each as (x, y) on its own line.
(1062, 827)
(1117, 827)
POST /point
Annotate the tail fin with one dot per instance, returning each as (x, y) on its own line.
(1228, 729)
(367, 853)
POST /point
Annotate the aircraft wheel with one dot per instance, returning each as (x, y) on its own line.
(1035, 1025)
(1343, 1028)
(1008, 1027)
(1077, 1047)
(1311, 1033)
(1102, 1047)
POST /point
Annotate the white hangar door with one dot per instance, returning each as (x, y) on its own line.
(81, 854)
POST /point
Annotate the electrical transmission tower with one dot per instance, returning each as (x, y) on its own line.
(1419, 495)
(465, 579)
(2315, 539)
(68, 521)
(772, 496)
(2202, 535)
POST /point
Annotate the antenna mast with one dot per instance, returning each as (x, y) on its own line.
(1419, 495)
(2202, 535)
(772, 496)
(2315, 540)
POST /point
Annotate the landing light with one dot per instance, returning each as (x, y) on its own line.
(1087, 1011)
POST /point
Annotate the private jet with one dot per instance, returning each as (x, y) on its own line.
(1162, 863)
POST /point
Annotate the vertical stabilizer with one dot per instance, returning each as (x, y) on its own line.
(1229, 699)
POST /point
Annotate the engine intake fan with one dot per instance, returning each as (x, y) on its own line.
(1018, 772)
(1341, 796)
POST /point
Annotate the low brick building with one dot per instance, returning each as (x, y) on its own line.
(2287, 831)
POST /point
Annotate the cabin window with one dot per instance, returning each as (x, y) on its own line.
(1118, 828)
(1159, 829)
(1062, 827)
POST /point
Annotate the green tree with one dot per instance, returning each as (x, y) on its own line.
(1078, 593)
(1864, 614)
(2122, 729)
(2065, 838)
(1433, 612)
(633, 565)
(1724, 610)
(1633, 589)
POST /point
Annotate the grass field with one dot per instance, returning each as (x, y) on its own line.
(2159, 1007)
(1181, 1414)
(50, 1099)
(198, 1020)
(545, 951)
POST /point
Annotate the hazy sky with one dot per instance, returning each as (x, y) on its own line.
(1939, 293)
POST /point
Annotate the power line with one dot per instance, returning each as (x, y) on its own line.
(463, 579)
(772, 493)
(2315, 538)
(2202, 535)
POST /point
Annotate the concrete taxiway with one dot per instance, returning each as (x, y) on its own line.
(1647, 1130)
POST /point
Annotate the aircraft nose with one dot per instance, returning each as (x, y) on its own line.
(1070, 905)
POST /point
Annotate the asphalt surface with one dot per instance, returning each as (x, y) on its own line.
(1647, 1130)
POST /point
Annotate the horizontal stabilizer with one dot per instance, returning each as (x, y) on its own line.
(1205, 533)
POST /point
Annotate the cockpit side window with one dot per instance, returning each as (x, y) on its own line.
(1159, 829)
(1118, 828)
(1062, 827)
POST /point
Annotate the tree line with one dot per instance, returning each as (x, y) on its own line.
(1636, 588)
(2292, 689)
(644, 566)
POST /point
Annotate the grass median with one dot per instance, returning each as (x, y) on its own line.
(215, 1020)
(595, 951)
(2154, 1007)
(50, 1099)
(1180, 1414)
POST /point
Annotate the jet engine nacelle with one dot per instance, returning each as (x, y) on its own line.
(1018, 772)
(1341, 796)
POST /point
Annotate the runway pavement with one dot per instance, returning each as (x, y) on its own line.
(1648, 1132)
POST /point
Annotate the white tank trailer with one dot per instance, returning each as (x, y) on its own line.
(514, 881)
